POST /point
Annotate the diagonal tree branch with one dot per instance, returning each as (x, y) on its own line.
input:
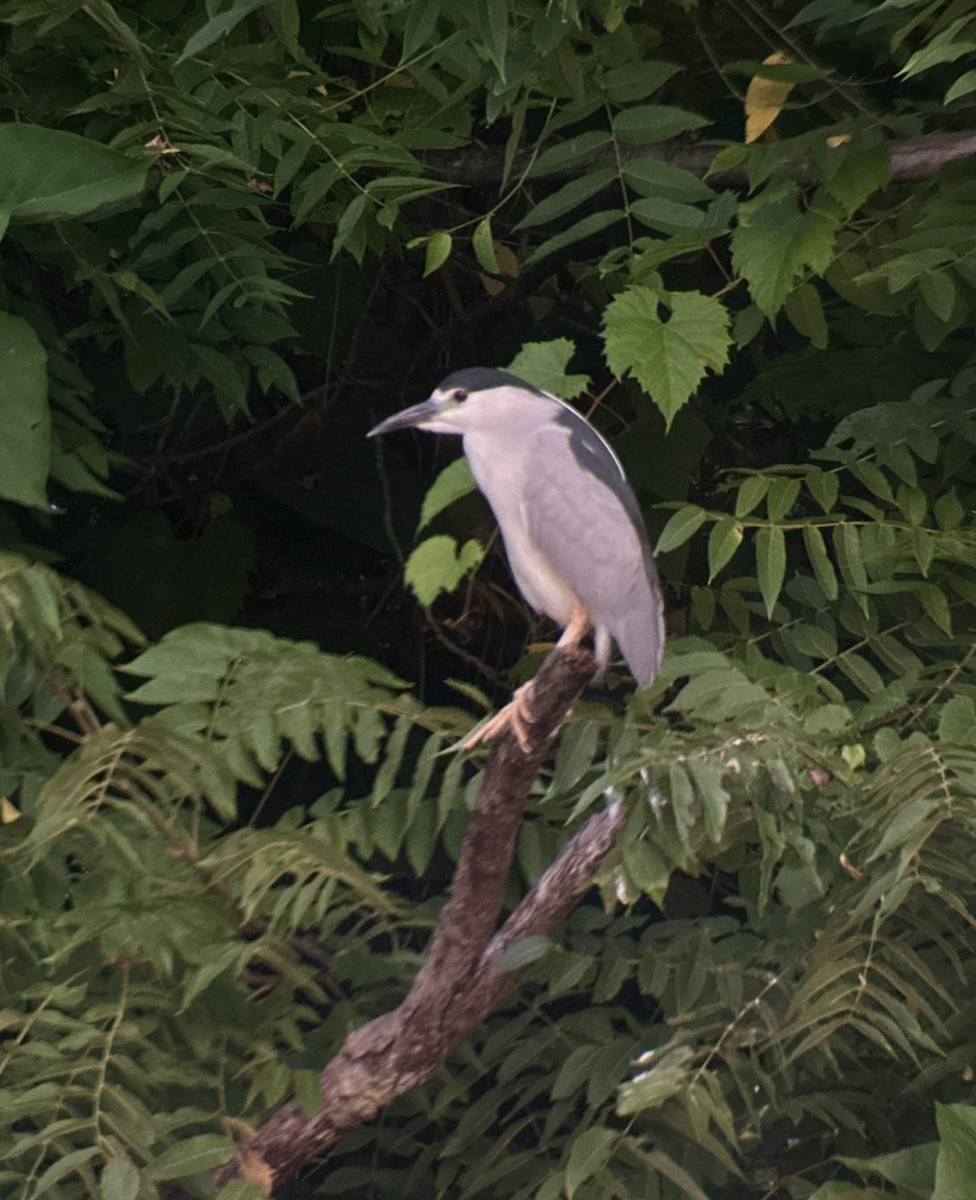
(460, 982)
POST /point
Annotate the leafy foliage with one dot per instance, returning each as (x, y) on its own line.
(208, 881)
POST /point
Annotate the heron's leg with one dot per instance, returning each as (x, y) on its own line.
(517, 712)
(575, 631)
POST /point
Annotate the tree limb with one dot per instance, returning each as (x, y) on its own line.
(911, 158)
(460, 982)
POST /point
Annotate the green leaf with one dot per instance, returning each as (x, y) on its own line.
(190, 1156)
(957, 721)
(545, 364)
(666, 216)
(120, 1180)
(656, 179)
(421, 22)
(784, 491)
(805, 313)
(437, 252)
(484, 247)
(49, 174)
(939, 50)
(590, 1153)
(589, 225)
(752, 489)
(668, 358)
(770, 564)
(348, 232)
(308, 1091)
(682, 525)
(567, 154)
(723, 541)
(776, 241)
(823, 568)
(493, 23)
(654, 123)
(955, 1167)
(65, 1165)
(438, 565)
(636, 80)
(525, 951)
(964, 85)
(939, 293)
(453, 482)
(566, 198)
(936, 605)
(25, 418)
(847, 546)
(862, 170)
(217, 27)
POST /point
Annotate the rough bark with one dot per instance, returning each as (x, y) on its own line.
(460, 982)
(911, 158)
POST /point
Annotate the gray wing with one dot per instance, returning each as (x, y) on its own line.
(583, 517)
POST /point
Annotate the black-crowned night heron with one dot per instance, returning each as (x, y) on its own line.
(572, 529)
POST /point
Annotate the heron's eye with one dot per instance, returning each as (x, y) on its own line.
(460, 395)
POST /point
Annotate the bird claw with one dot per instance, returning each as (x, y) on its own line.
(515, 716)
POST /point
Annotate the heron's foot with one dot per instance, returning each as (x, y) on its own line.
(516, 715)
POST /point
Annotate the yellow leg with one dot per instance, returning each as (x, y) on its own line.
(514, 714)
(517, 713)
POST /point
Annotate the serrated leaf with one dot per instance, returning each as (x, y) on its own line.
(752, 489)
(805, 313)
(566, 154)
(453, 482)
(545, 364)
(656, 179)
(25, 418)
(824, 486)
(571, 195)
(682, 525)
(645, 123)
(765, 98)
(783, 493)
(667, 216)
(776, 241)
(191, 1155)
(217, 27)
(65, 1165)
(770, 564)
(636, 80)
(438, 565)
(589, 225)
(484, 247)
(823, 568)
(120, 1180)
(437, 251)
(963, 86)
(936, 605)
(347, 228)
(527, 950)
(957, 721)
(863, 169)
(590, 1153)
(723, 541)
(669, 358)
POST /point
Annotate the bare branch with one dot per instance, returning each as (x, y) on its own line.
(460, 982)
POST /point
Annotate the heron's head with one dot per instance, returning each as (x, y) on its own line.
(471, 400)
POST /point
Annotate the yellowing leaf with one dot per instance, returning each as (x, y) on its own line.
(8, 812)
(765, 98)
